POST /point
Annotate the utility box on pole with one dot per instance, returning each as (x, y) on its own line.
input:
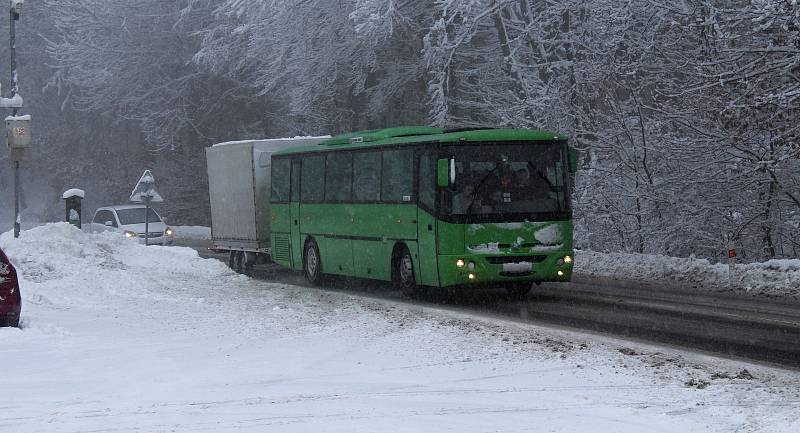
(18, 131)
(72, 199)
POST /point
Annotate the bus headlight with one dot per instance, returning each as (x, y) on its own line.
(560, 262)
(471, 266)
(560, 273)
(130, 234)
(567, 259)
(471, 276)
(460, 263)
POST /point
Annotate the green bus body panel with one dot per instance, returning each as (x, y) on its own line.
(381, 134)
(358, 239)
(466, 137)
(428, 268)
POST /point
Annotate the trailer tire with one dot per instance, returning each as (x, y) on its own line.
(312, 263)
(236, 261)
(249, 260)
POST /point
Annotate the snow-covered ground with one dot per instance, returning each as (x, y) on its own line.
(775, 278)
(120, 337)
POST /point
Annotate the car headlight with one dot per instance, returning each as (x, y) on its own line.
(168, 231)
(130, 234)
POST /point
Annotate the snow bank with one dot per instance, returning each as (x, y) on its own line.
(772, 278)
(117, 336)
(94, 266)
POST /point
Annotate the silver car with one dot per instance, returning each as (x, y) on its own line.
(130, 220)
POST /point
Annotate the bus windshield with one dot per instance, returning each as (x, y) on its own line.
(528, 180)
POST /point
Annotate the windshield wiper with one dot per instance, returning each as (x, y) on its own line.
(477, 189)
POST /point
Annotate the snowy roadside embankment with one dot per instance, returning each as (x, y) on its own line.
(775, 278)
(119, 336)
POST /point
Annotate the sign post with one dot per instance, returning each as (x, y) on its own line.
(145, 192)
(18, 135)
(731, 263)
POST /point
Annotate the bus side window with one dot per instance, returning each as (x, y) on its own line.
(427, 180)
(367, 176)
(280, 180)
(398, 173)
(338, 172)
(312, 181)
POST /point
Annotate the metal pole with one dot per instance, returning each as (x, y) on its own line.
(13, 38)
(146, 221)
(14, 89)
(16, 199)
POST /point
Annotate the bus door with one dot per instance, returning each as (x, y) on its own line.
(427, 227)
(294, 212)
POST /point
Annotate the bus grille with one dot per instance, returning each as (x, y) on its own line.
(499, 260)
(281, 249)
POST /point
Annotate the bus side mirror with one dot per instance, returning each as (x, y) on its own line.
(443, 173)
(572, 155)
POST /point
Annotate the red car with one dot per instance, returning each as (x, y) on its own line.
(10, 301)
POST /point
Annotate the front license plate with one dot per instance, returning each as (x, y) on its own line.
(517, 268)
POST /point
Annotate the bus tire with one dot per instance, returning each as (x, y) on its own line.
(312, 263)
(403, 272)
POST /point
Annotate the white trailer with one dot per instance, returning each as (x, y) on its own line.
(239, 191)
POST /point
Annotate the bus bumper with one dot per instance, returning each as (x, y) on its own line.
(474, 269)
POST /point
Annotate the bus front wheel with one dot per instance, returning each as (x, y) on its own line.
(403, 272)
(312, 265)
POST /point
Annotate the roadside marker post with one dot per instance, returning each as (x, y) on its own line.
(731, 264)
(145, 192)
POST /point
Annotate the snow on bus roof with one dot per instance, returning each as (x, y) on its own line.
(267, 140)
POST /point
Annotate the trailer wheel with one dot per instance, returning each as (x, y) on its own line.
(249, 260)
(312, 264)
(236, 261)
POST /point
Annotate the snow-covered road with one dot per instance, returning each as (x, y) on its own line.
(120, 337)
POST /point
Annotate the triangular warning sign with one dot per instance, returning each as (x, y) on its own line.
(145, 189)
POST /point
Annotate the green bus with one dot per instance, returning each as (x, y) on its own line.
(426, 207)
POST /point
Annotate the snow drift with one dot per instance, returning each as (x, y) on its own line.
(772, 278)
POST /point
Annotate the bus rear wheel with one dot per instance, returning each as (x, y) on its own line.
(312, 265)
